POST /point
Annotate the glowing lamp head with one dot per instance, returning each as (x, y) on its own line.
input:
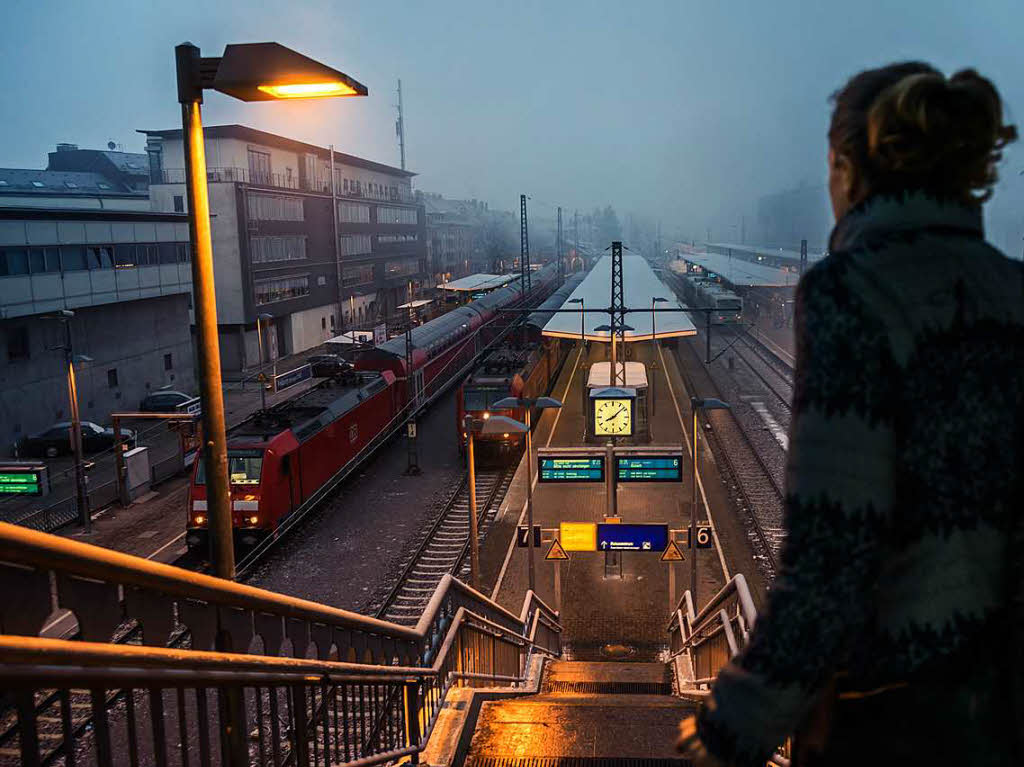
(486, 415)
(254, 520)
(309, 90)
(200, 519)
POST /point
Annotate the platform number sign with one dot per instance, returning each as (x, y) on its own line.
(705, 538)
(523, 537)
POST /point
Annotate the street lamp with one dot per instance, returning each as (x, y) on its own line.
(528, 404)
(249, 72)
(654, 348)
(583, 316)
(614, 331)
(697, 404)
(259, 341)
(496, 424)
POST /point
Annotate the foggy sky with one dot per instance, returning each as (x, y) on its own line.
(684, 111)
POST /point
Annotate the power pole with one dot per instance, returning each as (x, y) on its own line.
(400, 125)
(803, 256)
(558, 249)
(576, 233)
(524, 246)
(618, 311)
(413, 463)
(658, 242)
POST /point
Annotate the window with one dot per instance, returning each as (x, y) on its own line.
(100, 257)
(102, 185)
(321, 281)
(17, 344)
(13, 262)
(267, 249)
(71, 185)
(38, 184)
(244, 467)
(72, 258)
(353, 213)
(184, 252)
(344, 185)
(168, 362)
(402, 267)
(275, 207)
(323, 323)
(259, 167)
(389, 215)
(36, 261)
(356, 275)
(354, 245)
(52, 256)
(269, 291)
(383, 239)
(112, 378)
(179, 203)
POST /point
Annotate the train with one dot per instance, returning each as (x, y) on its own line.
(283, 460)
(527, 367)
(705, 290)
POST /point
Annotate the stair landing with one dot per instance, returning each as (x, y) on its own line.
(586, 715)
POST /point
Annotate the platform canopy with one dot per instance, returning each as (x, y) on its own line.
(755, 252)
(639, 285)
(475, 282)
(742, 273)
(418, 303)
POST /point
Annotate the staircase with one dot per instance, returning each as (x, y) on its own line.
(586, 714)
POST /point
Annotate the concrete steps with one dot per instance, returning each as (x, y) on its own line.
(587, 714)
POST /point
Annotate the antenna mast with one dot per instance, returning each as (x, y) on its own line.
(400, 125)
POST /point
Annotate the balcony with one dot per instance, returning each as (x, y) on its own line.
(280, 181)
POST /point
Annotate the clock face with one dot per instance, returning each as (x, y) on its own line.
(613, 417)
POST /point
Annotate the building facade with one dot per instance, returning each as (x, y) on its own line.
(309, 257)
(467, 237)
(126, 276)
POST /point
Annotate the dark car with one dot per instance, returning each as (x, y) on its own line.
(163, 401)
(328, 365)
(57, 440)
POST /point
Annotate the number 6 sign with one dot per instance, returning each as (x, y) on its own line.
(705, 539)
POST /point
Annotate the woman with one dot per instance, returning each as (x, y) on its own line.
(893, 631)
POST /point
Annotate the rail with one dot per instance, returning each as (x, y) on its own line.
(355, 689)
(711, 637)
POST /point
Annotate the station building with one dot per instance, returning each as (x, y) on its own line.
(85, 240)
(311, 257)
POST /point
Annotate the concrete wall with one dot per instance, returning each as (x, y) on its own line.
(131, 337)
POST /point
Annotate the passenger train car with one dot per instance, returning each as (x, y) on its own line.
(284, 459)
(705, 290)
(528, 367)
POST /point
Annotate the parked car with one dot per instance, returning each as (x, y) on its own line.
(328, 365)
(57, 440)
(163, 401)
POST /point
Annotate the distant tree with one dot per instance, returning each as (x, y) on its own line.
(498, 238)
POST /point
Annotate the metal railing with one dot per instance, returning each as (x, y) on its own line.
(355, 689)
(318, 185)
(711, 638)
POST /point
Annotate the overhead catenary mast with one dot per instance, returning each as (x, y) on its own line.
(400, 125)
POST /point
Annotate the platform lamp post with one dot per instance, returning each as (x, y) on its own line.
(249, 72)
(583, 346)
(495, 424)
(263, 361)
(696, 405)
(528, 404)
(654, 346)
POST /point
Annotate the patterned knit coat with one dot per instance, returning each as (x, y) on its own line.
(890, 623)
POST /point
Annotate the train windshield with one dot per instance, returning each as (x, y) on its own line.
(729, 304)
(480, 398)
(244, 467)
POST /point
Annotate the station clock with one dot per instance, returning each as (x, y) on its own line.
(612, 412)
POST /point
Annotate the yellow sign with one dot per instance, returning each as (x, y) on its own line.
(556, 551)
(578, 536)
(613, 417)
(672, 553)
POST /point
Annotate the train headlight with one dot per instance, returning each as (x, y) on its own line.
(505, 435)
(200, 519)
(254, 520)
(486, 415)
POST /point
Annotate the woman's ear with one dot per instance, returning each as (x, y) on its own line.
(843, 182)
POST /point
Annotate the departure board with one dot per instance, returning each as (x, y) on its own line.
(25, 482)
(666, 467)
(570, 468)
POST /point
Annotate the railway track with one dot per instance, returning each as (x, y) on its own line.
(445, 546)
(754, 486)
(776, 376)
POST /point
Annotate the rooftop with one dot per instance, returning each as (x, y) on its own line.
(245, 133)
(742, 273)
(60, 182)
(476, 282)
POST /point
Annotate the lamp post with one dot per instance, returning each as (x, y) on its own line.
(259, 340)
(583, 347)
(697, 404)
(528, 404)
(249, 72)
(654, 347)
(496, 424)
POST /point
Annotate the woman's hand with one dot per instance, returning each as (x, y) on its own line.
(690, 746)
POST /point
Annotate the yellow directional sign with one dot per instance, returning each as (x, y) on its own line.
(556, 551)
(672, 553)
(578, 536)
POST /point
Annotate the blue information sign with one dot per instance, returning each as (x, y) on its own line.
(292, 377)
(667, 467)
(632, 537)
(570, 468)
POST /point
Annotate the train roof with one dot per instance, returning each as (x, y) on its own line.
(539, 318)
(307, 413)
(500, 366)
(740, 272)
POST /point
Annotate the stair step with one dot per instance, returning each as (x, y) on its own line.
(611, 688)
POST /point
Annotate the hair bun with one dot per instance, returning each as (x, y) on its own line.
(945, 135)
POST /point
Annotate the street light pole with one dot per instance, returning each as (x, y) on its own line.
(81, 491)
(474, 535)
(530, 568)
(215, 455)
(697, 404)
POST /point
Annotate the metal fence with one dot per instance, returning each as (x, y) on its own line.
(355, 689)
(280, 181)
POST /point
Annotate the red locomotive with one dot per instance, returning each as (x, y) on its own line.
(285, 459)
(528, 368)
